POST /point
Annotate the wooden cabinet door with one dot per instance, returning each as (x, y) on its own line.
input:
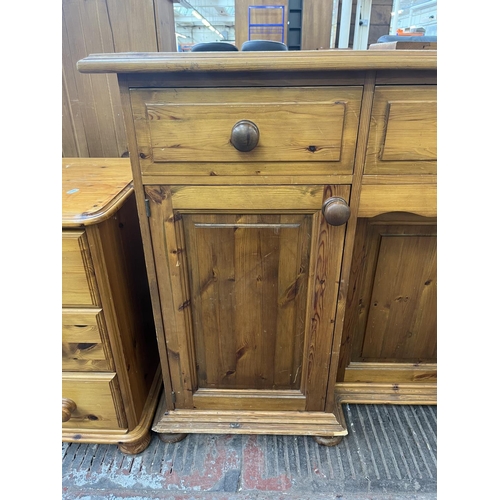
(390, 328)
(248, 279)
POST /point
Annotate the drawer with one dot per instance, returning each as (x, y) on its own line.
(300, 130)
(97, 399)
(79, 287)
(403, 131)
(84, 341)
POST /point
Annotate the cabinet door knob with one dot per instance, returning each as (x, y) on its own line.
(245, 135)
(68, 407)
(336, 211)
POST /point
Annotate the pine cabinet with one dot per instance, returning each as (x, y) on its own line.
(283, 277)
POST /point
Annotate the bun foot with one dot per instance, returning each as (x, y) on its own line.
(328, 440)
(172, 438)
(137, 446)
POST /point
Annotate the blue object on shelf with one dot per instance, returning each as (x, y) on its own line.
(263, 29)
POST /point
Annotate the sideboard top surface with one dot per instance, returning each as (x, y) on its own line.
(313, 60)
(93, 189)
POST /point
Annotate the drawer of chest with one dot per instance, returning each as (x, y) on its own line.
(92, 401)
(403, 131)
(290, 130)
(85, 345)
(79, 286)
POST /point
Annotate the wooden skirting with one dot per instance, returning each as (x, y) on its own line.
(367, 393)
(248, 422)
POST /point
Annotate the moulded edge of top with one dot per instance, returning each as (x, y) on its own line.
(306, 60)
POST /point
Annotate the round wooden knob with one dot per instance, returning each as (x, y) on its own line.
(68, 407)
(245, 135)
(336, 211)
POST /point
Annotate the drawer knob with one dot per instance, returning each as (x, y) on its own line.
(245, 135)
(68, 407)
(336, 211)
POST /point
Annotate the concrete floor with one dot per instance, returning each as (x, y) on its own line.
(390, 453)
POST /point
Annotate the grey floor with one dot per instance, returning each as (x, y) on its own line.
(390, 453)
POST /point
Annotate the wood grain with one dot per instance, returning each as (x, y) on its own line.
(276, 198)
(85, 345)
(93, 189)
(79, 287)
(292, 61)
(318, 359)
(394, 264)
(320, 127)
(403, 131)
(378, 393)
(170, 288)
(247, 279)
(393, 373)
(119, 263)
(94, 395)
(420, 199)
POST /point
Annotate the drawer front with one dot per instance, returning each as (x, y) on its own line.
(97, 399)
(84, 341)
(79, 287)
(403, 131)
(315, 125)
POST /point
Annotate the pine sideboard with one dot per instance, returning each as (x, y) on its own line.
(287, 203)
(111, 379)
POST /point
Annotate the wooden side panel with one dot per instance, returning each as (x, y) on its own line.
(97, 398)
(120, 267)
(79, 287)
(403, 131)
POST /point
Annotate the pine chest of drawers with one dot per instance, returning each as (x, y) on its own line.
(110, 365)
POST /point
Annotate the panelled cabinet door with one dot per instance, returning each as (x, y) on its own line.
(392, 302)
(248, 280)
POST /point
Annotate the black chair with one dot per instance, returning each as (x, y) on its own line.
(214, 47)
(263, 45)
